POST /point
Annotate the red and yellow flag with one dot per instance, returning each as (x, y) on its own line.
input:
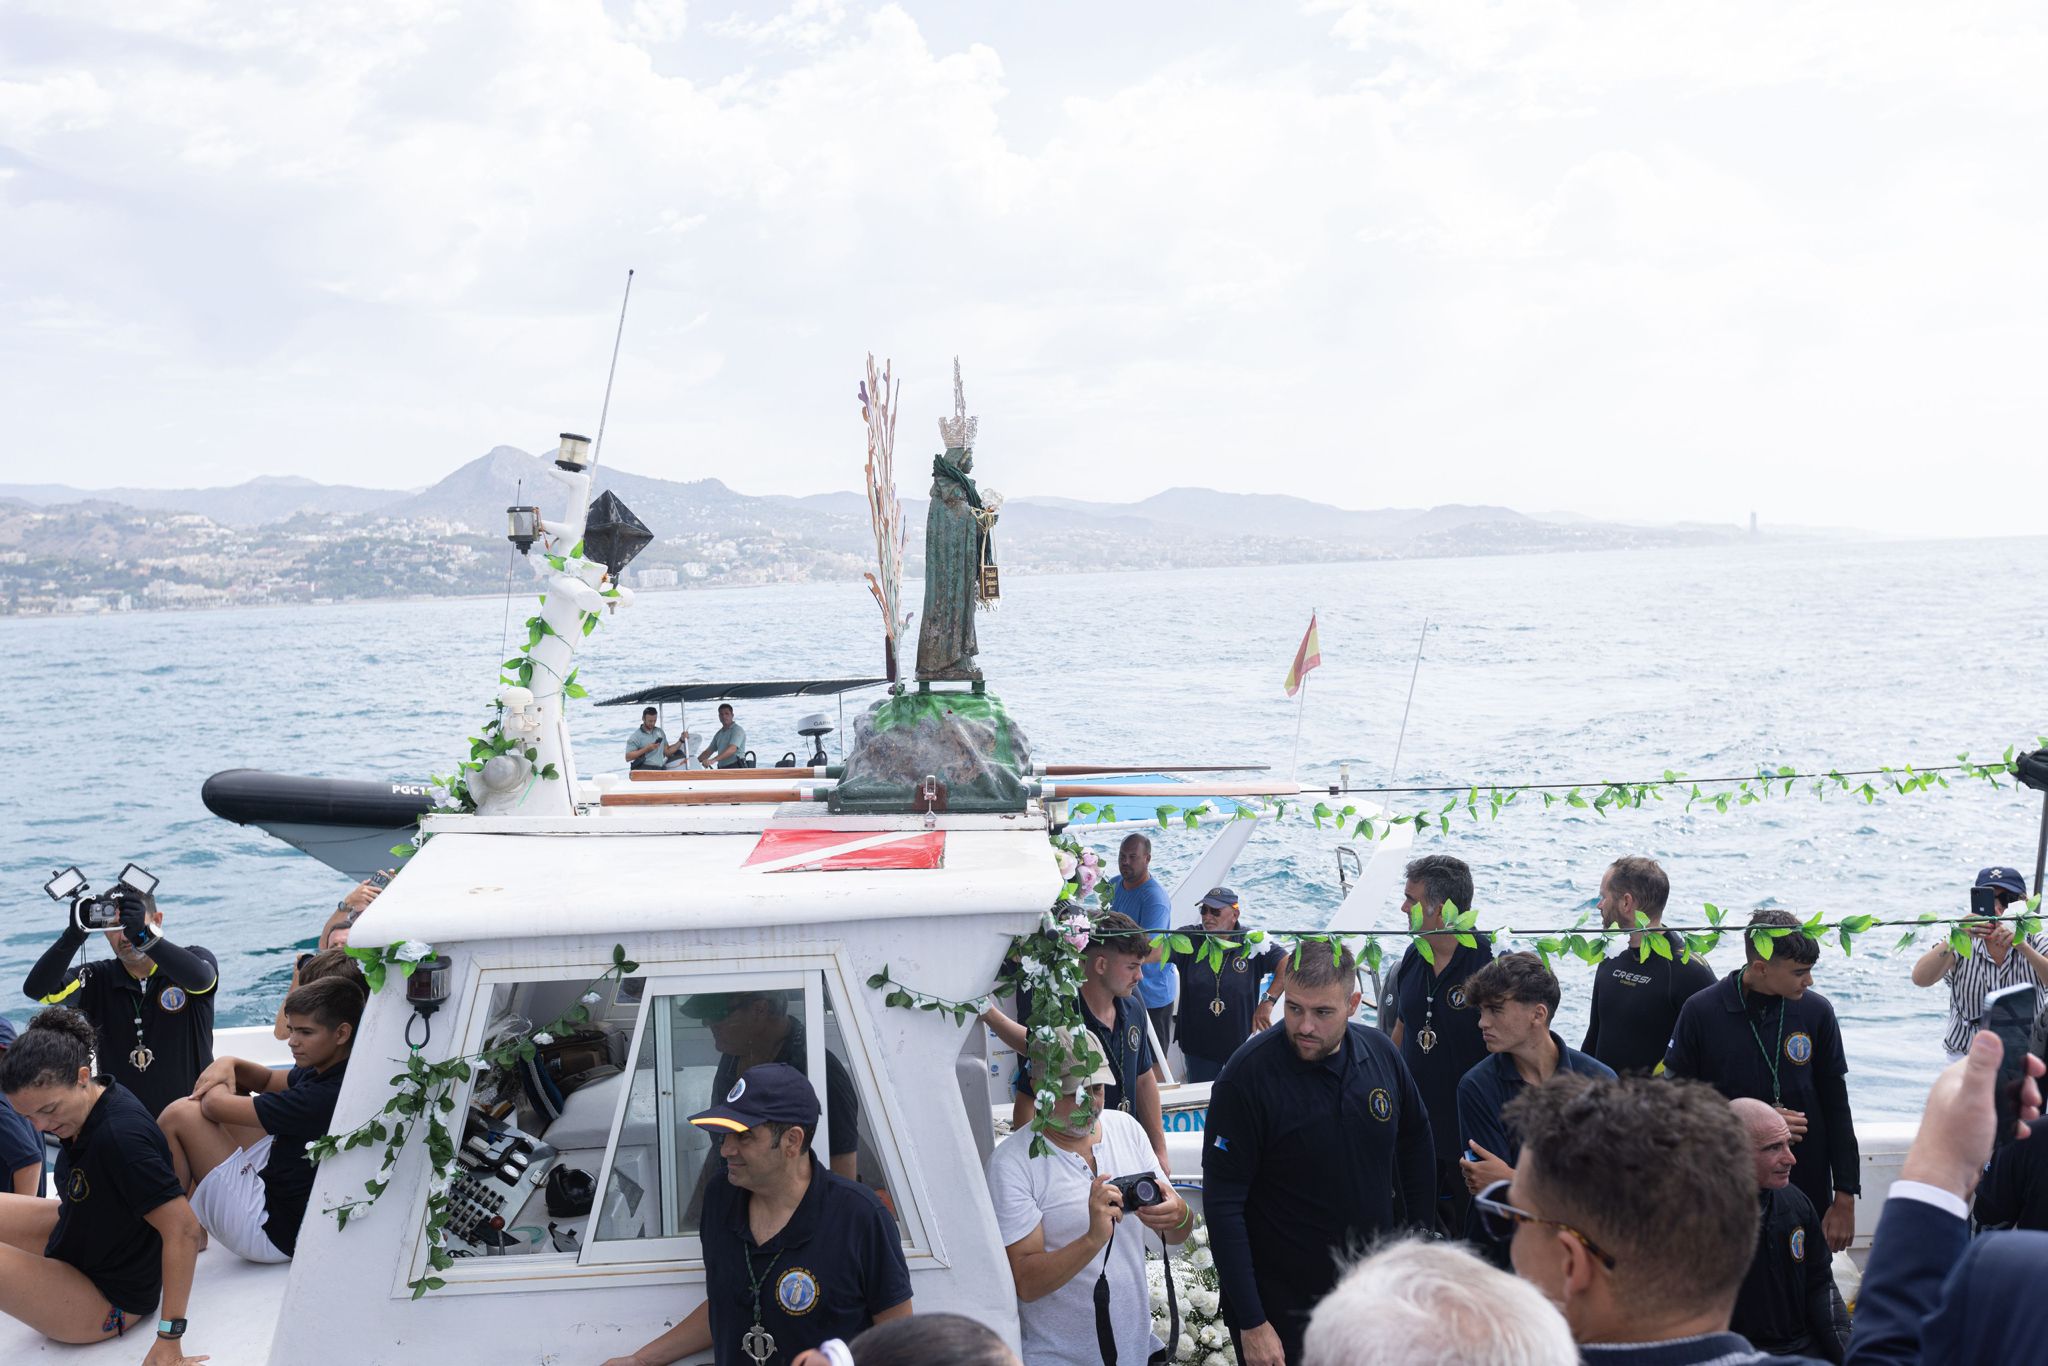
(1307, 657)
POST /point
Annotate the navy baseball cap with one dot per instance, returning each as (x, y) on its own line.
(6, 1033)
(772, 1093)
(1219, 897)
(2005, 879)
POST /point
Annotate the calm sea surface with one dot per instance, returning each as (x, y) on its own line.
(1543, 668)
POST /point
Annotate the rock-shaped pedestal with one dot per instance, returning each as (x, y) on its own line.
(966, 740)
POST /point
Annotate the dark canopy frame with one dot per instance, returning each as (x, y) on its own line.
(682, 694)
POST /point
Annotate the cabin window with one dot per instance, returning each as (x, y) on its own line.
(610, 1103)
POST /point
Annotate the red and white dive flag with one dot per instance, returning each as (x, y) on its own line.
(1307, 657)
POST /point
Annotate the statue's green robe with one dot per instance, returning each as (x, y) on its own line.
(945, 638)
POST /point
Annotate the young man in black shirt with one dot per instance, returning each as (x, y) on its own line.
(1435, 1027)
(1317, 1142)
(793, 1255)
(152, 1007)
(239, 1142)
(1636, 997)
(1761, 1032)
(1633, 1208)
(1786, 1304)
(1219, 1009)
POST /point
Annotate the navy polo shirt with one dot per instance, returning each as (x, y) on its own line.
(836, 1264)
(1424, 996)
(1124, 1043)
(1304, 1161)
(177, 1024)
(1738, 1042)
(1785, 1298)
(20, 1145)
(117, 1170)
(1636, 1002)
(1204, 1031)
(294, 1117)
(1485, 1091)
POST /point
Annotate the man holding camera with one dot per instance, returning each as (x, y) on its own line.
(1063, 1217)
(151, 1007)
(1997, 960)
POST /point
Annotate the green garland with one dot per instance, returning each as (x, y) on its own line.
(425, 1093)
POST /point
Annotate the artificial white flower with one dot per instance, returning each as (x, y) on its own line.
(1200, 1259)
(590, 998)
(1218, 1359)
(1200, 1237)
(412, 951)
(543, 1038)
(1184, 1348)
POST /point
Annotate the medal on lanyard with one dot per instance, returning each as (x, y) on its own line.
(143, 1055)
(759, 1343)
(1426, 1040)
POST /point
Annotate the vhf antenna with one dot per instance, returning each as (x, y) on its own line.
(598, 450)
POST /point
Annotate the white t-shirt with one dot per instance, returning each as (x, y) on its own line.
(1059, 1329)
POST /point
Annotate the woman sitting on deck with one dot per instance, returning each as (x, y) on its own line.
(92, 1263)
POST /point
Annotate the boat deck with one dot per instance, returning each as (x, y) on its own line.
(233, 1311)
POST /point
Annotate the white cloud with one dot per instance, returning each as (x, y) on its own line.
(1650, 259)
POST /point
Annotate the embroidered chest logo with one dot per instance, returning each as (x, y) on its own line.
(797, 1291)
(1238, 965)
(1456, 997)
(1798, 1241)
(173, 999)
(78, 1188)
(1799, 1047)
(1381, 1104)
(1132, 1038)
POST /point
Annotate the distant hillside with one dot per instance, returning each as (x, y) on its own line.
(259, 502)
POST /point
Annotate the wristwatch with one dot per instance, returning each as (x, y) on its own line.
(170, 1328)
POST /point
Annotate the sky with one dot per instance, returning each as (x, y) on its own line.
(1645, 260)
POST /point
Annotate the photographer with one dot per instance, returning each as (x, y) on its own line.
(1060, 1217)
(120, 1236)
(1996, 961)
(151, 1008)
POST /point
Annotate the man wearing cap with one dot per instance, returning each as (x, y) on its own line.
(1996, 961)
(1221, 1006)
(793, 1255)
(21, 1147)
(752, 1027)
(1065, 1227)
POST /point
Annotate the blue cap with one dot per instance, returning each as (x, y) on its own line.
(6, 1033)
(772, 1093)
(2005, 879)
(1219, 897)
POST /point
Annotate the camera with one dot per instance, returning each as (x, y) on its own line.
(1141, 1190)
(103, 912)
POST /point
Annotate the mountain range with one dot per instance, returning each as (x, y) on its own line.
(1179, 526)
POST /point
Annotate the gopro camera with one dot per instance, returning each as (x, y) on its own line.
(102, 912)
(1140, 1191)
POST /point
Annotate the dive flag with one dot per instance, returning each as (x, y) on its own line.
(1307, 657)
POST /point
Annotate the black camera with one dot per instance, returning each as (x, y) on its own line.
(1141, 1190)
(103, 912)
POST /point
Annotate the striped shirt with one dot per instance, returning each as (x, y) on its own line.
(1971, 979)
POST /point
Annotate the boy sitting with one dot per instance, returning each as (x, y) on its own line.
(239, 1141)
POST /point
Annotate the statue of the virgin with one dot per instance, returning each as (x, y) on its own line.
(956, 550)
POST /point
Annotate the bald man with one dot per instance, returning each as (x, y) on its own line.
(1786, 1306)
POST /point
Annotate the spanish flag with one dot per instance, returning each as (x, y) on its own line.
(1307, 657)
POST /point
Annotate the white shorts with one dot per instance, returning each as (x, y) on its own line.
(229, 1201)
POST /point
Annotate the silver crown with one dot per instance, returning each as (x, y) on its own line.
(958, 430)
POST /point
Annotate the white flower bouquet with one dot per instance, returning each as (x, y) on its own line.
(1204, 1338)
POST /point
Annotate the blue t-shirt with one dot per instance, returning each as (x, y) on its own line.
(20, 1145)
(1148, 905)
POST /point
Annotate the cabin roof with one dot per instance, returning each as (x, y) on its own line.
(508, 880)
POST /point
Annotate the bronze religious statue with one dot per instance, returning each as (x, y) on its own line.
(959, 564)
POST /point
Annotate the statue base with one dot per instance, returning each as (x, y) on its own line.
(965, 739)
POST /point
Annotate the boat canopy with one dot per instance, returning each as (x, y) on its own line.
(757, 688)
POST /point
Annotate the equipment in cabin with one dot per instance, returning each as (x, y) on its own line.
(497, 1169)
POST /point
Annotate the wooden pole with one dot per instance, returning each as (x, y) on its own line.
(726, 775)
(746, 796)
(1062, 791)
(1082, 770)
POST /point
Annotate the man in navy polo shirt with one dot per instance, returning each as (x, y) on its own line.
(1317, 1143)
(1760, 1032)
(21, 1147)
(1516, 997)
(793, 1255)
(1436, 1027)
(1221, 1007)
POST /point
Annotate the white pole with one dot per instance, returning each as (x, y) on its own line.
(1394, 773)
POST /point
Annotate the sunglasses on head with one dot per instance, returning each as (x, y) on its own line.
(1498, 1220)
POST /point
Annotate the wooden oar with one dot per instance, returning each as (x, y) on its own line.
(686, 797)
(1076, 770)
(1063, 791)
(727, 775)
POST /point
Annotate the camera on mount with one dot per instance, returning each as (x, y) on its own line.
(103, 912)
(1141, 1190)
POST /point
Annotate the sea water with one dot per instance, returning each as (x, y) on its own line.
(1573, 668)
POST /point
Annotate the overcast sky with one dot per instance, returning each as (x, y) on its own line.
(1648, 260)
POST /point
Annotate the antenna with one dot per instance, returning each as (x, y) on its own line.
(611, 374)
